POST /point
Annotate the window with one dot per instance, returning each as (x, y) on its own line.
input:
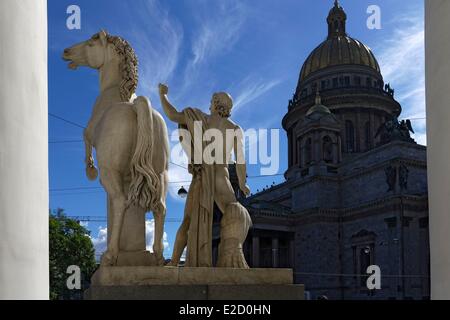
(314, 88)
(335, 82)
(347, 81)
(357, 81)
(368, 82)
(298, 152)
(365, 260)
(380, 84)
(349, 136)
(327, 149)
(368, 137)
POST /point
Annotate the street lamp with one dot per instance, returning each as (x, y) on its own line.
(182, 192)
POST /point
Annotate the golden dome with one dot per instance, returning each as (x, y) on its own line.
(338, 48)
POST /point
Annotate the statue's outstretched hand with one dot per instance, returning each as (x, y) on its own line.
(163, 89)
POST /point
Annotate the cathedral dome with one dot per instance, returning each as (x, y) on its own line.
(338, 48)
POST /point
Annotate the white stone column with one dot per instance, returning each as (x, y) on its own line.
(23, 150)
(437, 42)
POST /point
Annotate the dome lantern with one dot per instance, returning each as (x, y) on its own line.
(336, 20)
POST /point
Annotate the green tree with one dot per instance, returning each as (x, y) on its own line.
(70, 244)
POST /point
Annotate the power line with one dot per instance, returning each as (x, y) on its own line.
(65, 141)
(178, 182)
(105, 219)
(80, 141)
(66, 121)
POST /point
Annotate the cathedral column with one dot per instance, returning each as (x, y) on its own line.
(275, 252)
(255, 251)
(437, 50)
(358, 131)
(292, 253)
(317, 147)
(24, 256)
(372, 129)
(340, 149)
(290, 149)
(336, 150)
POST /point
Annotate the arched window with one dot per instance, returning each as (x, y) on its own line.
(365, 260)
(368, 137)
(327, 149)
(350, 136)
(308, 151)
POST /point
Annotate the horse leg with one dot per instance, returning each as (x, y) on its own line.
(159, 215)
(91, 170)
(111, 180)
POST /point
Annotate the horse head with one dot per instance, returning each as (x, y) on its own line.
(90, 53)
(112, 55)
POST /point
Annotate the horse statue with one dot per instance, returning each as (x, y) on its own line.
(131, 143)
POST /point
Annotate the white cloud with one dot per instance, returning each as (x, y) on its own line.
(84, 224)
(157, 38)
(402, 62)
(100, 241)
(149, 234)
(251, 89)
(216, 32)
(219, 28)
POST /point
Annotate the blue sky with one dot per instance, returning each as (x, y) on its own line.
(251, 49)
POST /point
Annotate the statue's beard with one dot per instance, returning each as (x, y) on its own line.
(224, 112)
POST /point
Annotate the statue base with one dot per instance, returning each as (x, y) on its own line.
(172, 283)
(136, 258)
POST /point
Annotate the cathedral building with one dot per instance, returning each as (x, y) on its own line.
(355, 193)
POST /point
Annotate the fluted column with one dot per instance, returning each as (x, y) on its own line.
(24, 270)
(437, 41)
(255, 251)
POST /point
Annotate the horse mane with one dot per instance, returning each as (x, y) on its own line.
(128, 66)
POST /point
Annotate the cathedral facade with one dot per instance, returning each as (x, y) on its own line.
(355, 193)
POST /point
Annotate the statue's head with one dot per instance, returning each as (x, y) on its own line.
(100, 50)
(221, 104)
(89, 53)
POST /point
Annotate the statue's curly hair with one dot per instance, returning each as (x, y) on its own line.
(223, 103)
(128, 66)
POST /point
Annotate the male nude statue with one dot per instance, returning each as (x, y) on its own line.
(211, 183)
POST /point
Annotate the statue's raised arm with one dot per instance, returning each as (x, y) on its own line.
(170, 111)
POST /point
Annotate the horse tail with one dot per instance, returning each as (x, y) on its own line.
(145, 186)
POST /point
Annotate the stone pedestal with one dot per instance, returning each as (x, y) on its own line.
(171, 283)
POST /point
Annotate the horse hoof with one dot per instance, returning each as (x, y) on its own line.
(160, 261)
(108, 259)
(172, 264)
(91, 173)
